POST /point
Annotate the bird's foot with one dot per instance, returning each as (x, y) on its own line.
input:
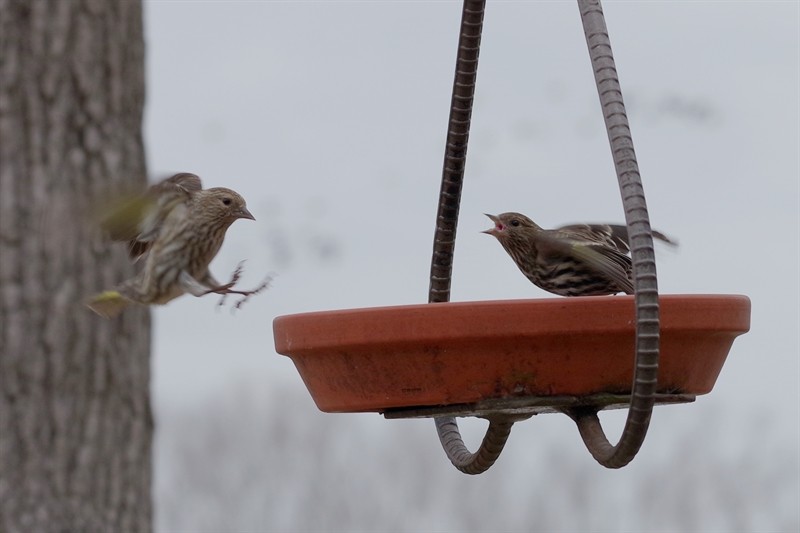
(227, 288)
(237, 274)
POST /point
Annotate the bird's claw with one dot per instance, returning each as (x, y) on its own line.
(227, 288)
(237, 274)
(247, 294)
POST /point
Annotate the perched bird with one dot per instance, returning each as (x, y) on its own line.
(576, 260)
(175, 228)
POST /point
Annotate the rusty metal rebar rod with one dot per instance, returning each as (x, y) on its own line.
(473, 463)
(644, 265)
(455, 154)
(637, 220)
(455, 157)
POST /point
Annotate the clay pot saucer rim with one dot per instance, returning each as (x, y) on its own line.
(470, 320)
(555, 301)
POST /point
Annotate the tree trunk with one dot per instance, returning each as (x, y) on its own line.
(75, 420)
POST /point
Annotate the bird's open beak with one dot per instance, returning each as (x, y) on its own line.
(244, 213)
(497, 225)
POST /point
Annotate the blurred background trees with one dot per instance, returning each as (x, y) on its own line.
(278, 465)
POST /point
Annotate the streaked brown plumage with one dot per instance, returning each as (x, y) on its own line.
(575, 260)
(176, 227)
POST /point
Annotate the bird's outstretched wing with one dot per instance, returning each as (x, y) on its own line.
(596, 233)
(139, 219)
(618, 233)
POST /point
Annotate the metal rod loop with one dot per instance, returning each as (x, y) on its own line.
(642, 254)
(455, 158)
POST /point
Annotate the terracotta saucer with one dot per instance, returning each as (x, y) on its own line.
(384, 358)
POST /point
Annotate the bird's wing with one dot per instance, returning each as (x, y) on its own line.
(592, 245)
(621, 232)
(139, 219)
(185, 181)
(614, 236)
(612, 263)
(616, 232)
(162, 198)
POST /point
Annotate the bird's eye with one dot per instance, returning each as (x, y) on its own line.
(226, 201)
(515, 223)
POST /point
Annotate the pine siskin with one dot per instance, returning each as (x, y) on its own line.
(176, 227)
(575, 260)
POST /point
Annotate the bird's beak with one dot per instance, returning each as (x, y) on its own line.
(244, 213)
(497, 225)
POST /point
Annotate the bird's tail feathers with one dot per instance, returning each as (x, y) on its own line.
(108, 304)
(669, 240)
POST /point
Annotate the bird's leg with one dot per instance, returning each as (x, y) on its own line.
(192, 286)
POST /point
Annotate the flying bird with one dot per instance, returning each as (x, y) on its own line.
(575, 260)
(174, 229)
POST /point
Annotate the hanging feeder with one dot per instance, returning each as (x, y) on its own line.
(509, 360)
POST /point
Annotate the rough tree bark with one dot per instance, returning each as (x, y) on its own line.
(75, 420)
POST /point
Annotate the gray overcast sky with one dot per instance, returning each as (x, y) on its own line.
(329, 117)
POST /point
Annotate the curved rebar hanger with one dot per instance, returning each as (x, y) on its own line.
(644, 263)
(455, 157)
(637, 220)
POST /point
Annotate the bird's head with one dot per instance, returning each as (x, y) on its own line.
(509, 225)
(225, 204)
